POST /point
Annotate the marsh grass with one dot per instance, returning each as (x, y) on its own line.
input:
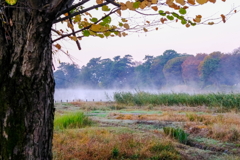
(226, 101)
(71, 120)
(106, 143)
(176, 133)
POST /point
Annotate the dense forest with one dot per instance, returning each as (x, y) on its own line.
(168, 69)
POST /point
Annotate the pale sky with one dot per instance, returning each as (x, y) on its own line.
(224, 37)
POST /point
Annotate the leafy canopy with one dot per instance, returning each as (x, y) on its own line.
(110, 18)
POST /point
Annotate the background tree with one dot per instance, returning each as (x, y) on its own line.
(156, 70)
(66, 75)
(173, 71)
(142, 73)
(190, 72)
(26, 78)
(209, 69)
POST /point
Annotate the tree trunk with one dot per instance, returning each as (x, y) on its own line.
(26, 81)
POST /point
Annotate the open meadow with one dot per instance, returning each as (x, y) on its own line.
(146, 126)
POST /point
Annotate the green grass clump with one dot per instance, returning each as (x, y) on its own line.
(71, 120)
(176, 133)
(226, 101)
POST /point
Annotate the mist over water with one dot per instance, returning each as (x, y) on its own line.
(78, 93)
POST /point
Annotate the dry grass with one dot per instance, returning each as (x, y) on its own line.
(221, 126)
(104, 144)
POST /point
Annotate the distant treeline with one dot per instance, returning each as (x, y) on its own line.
(170, 68)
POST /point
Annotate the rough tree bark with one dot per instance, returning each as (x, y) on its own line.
(26, 79)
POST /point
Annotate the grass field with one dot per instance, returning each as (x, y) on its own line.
(148, 131)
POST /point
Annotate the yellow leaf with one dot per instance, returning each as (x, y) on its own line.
(197, 19)
(119, 12)
(96, 27)
(182, 2)
(124, 34)
(70, 25)
(144, 4)
(169, 2)
(99, 1)
(191, 2)
(88, 14)
(130, 5)
(187, 25)
(66, 14)
(123, 6)
(155, 8)
(77, 18)
(11, 2)
(211, 23)
(124, 20)
(154, 1)
(126, 26)
(73, 38)
(202, 1)
(58, 46)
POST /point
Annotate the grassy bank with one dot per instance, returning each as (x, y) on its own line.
(228, 101)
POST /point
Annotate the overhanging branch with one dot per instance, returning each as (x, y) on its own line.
(66, 35)
(72, 7)
(80, 12)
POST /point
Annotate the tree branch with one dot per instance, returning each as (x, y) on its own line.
(73, 33)
(80, 12)
(72, 7)
(66, 35)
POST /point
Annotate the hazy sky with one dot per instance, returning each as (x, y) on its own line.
(222, 37)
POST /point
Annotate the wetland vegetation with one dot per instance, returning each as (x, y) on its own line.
(117, 130)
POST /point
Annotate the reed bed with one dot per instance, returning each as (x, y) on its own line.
(228, 101)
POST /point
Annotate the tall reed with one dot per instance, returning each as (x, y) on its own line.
(228, 101)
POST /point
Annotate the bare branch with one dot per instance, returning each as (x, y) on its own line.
(72, 7)
(80, 12)
(113, 3)
(73, 32)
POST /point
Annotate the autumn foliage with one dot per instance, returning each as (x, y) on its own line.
(170, 68)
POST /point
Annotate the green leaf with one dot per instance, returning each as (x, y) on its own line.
(120, 24)
(107, 34)
(94, 20)
(192, 23)
(86, 33)
(182, 11)
(175, 15)
(136, 4)
(170, 17)
(100, 35)
(183, 21)
(105, 8)
(162, 13)
(107, 20)
(181, 18)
